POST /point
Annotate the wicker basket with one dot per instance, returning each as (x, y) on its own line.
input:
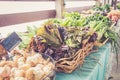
(69, 64)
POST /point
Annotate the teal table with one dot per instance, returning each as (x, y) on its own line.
(94, 67)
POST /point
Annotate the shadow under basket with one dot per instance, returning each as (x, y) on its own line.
(69, 64)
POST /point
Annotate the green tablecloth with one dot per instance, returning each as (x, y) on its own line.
(94, 67)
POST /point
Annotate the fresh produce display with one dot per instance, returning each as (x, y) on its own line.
(60, 42)
(98, 23)
(63, 38)
(24, 66)
(69, 40)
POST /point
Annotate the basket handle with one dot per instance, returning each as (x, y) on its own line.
(99, 44)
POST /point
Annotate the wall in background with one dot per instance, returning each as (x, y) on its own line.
(16, 12)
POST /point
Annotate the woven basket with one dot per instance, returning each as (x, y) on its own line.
(69, 64)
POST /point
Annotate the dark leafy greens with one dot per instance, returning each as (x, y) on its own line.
(105, 8)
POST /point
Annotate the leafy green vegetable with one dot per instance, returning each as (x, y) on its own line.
(65, 35)
(71, 19)
(104, 8)
(72, 15)
(26, 36)
(99, 24)
(51, 33)
(114, 39)
(73, 37)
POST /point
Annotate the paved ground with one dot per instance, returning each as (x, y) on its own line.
(115, 73)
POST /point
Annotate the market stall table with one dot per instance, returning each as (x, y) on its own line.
(94, 67)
